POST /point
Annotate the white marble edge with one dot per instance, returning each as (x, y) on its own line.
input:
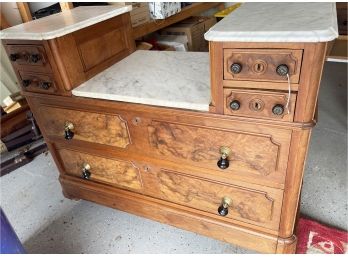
(118, 10)
(319, 35)
(148, 101)
(165, 78)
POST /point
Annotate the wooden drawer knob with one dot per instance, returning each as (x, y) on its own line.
(45, 85)
(86, 174)
(34, 58)
(68, 127)
(26, 82)
(223, 208)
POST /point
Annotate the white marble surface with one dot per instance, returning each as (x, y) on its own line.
(63, 23)
(161, 78)
(277, 22)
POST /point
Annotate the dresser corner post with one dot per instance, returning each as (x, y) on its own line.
(216, 77)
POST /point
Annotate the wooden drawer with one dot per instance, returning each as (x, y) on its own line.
(37, 82)
(29, 57)
(260, 154)
(98, 128)
(261, 64)
(256, 205)
(259, 104)
(114, 172)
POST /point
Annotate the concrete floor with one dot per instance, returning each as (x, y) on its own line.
(46, 222)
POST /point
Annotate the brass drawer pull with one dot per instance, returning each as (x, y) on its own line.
(223, 208)
(278, 109)
(68, 127)
(223, 163)
(86, 174)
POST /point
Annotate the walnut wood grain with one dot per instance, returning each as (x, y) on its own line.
(261, 154)
(261, 64)
(169, 213)
(36, 79)
(259, 104)
(91, 127)
(115, 172)
(248, 204)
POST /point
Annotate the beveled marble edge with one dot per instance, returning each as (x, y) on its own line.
(274, 36)
(8, 34)
(326, 35)
(148, 101)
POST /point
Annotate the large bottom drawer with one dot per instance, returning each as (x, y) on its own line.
(228, 201)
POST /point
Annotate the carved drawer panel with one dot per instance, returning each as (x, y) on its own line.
(262, 64)
(110, 171)
(257, 205)
(29, 57)
(262, 154)
(259, 104)
(91, 127)
(36, 82)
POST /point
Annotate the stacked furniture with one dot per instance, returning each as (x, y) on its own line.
(220, 153)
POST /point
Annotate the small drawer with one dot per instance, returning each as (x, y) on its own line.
(36, 82)
(262, 65)
(255, 204)
(259, 104)
(29, 57)
(114, 172)
(73, 125)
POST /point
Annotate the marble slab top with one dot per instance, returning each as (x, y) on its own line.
(63, 23)
(277, 22)
(161, 78)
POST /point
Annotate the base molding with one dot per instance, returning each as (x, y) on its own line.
(171, 214)
(287, 245)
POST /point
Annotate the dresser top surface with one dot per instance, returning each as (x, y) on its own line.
(160, 78)
(63, 23)
(277, 22)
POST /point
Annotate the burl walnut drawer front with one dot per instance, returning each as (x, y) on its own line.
(29, 57)
(256, 205)
(115, 172)
(36, 82)
(262, 64)
(73, 125)
(261, 155)
(259, 104)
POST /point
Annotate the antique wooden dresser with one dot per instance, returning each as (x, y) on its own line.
(217, 149)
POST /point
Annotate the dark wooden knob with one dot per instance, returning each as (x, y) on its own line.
(14, 57)
(45, 85)
(282, 70)
(34, 58)
(236, 68)
(69, 134)
(278, 109)
(223, 208)
(86, 174)
(26, 82)
(235, 105)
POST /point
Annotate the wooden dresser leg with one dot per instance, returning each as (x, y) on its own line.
(67, 195)
(287, 245)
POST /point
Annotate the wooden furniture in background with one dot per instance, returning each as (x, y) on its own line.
(186, 12)
(24, 10)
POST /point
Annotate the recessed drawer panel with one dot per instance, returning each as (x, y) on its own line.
(259, 104)
(262, 64)
(29, 57)
(256, 205)
(37, 82)
(73, 125)
(104, 170)
(260, 155)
